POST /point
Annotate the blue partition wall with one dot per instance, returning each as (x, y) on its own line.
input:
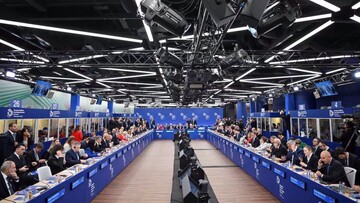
(204, 116)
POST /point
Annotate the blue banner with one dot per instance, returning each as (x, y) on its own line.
(322, 113)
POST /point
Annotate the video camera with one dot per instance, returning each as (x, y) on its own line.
(350, 124)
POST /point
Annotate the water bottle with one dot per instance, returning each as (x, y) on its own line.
(341, 188)
(308, 174)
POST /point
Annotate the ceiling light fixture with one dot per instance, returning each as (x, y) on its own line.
(356, 6)
(127, 77)
(60, 78)
(262, 83)
(81, 59)
(245, 74)
(312, 59)
(334, 71)
(105, 85)
(228, 85)
(310, 34)
(279, 77)
(10, 74)
(303, 80)
(77, 82)
(132, 83)
(128, 70)
(311, 18)
(327, 5)
(79, 74)
(63, 30)
(304, 70)
(148, 31)
(21, 61)
(355, 18)
(21, 49)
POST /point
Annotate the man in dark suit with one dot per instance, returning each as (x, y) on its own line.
(21, 168)
(96, 145)
(282, 138)
(331, 170)
(194, 122)
(152, 123)
(73, 156)
(255, 142)
(310, 161)
(278, 150)
(349, 160)
(317, 150)
(10, 140)
(295, 153)
(105, 142)
(8, 179)
(56, 160)
(33, 157)
(324, 147)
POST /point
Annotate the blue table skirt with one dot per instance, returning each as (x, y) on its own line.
(285, 184)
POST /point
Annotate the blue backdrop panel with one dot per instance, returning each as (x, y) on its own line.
(205, 116)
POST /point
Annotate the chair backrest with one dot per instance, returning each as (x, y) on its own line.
(350, 176)
(82, 152)
(44, 173)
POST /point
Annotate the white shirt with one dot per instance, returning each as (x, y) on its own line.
(6, 181)
(66, 147)
(17, 155)
(309, 157)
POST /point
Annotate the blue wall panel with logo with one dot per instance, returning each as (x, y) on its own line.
(204, 116)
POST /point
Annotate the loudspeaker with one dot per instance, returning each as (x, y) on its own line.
(220, 11)
(189, 190)
(253, 12)
(50, 94)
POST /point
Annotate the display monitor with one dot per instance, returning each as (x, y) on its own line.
(326, 88)
(41, 88)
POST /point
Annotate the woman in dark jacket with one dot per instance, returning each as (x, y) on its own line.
(56, 161)
(24, 137)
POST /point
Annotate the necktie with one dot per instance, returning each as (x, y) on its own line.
(36, 156)
(11, 189)
(328, 170)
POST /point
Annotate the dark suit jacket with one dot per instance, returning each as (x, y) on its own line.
(282, 151)
(29, 158)
(332, 153)
(354, 162)
(71, 158)
(104, 144)
(334, 172)
(4, 192)
(255, 142)
(9, 142)
(297, 154)
(56, 164)
(312, 164)
(317, 151)
(115, 140)
(20, 139)
(19, 164)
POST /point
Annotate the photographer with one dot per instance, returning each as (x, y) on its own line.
(347, 139)
(285, 123)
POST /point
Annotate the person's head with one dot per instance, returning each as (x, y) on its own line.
(280, 135)
(291, 145)
(263, 139)
(325, 157)
(272, 138)
(38, 147)
(323, 145)
(45, 130)
(57, 150)
(77, 128)
(25, 132)
(98, 139)
(13, 127)
(56, 141)
(307, 150)
(340, 152)
(70, 139)
(298, 142)
(316, 142)
(20, 149)
(277, 143)
(106, 136)
(76, 146)
(8, 167)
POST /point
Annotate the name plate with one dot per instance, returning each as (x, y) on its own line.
(169, 131)
(125, 150)
(297, 182)
(103, 165)
(93, 172)
(223, 141)
(235, 147)
(133, 145)
(77, 182)
(231, 145)
(112, 159)
(279, 172)
(129, 147)
(119, 154)
(227, 143)
(256, 159)
(324, 197)
(247, 154)
(56, 196)
(266, 165)
(201, 131)
(241, 151)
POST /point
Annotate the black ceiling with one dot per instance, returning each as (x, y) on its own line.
(118, 74)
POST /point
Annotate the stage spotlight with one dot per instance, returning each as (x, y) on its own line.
(253, 12)
(237, 57)
(220, 11)
(169, 58)
(162, 15)
(296, 88)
